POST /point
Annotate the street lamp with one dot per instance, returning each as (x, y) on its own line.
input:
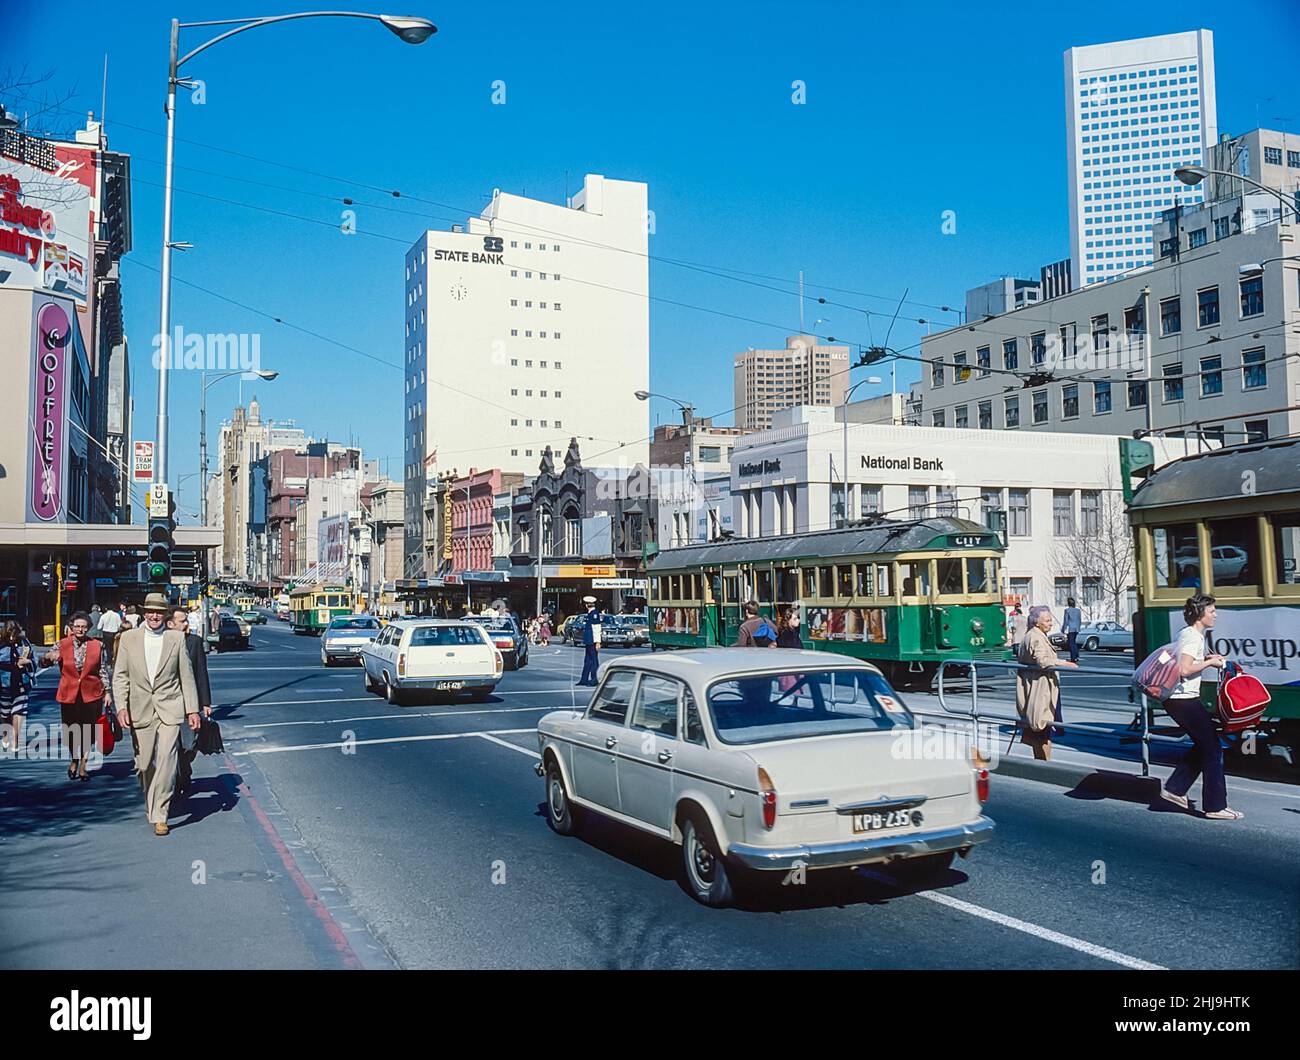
(410, 30)
(844, 472)
(1256, 268)
(1193, 175)
(688, 420)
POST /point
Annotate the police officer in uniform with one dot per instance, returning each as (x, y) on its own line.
(590, 642)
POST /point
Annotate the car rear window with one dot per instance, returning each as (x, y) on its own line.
(785, 706)
(354, 623)
(445, 636)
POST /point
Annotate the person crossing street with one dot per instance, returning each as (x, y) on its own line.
(153, 685)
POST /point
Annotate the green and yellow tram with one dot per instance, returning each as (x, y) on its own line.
(311, 607)
(905, 595)
(1227, 522)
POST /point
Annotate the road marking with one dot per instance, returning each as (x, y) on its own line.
(259, 669)
(392, 717)
(293, 703)
(512, 746)
(1046, 934)
(335, 745)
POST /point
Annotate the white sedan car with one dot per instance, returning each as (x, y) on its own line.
(763, 760)
(433, 656)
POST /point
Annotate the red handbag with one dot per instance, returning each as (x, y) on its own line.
(1241, 700)
(107, 741)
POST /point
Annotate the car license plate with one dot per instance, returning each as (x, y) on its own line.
(449, 686)
(871, 822)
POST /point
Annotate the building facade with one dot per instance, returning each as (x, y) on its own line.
(1266, 156)
(523, 327)
(1060, 495)
(1201, 342)
(1135, 111)
(696, 444)
(804, 373)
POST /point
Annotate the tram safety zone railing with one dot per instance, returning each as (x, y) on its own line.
(1138, 714)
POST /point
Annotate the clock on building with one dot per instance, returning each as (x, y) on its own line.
(459, 292)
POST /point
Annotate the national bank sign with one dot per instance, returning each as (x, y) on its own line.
(901, 463)
(759, 467)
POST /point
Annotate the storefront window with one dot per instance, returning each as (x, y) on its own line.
(1286, 549)
(1234, 551)
(1177, 556)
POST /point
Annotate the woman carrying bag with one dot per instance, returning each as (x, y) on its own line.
(85, 681)
(1038, 688)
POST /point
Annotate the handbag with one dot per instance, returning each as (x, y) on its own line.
(1159, 673)
(208, 741)
(1241, 699)
(107, 740)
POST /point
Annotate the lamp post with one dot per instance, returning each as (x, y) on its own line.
(410, 30)
(1193, 175)
(844, 473)
(688, 421)
(204, 383)
(1256, 268)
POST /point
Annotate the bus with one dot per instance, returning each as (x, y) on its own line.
(906, 595)
(311, 607)
(1227, 523)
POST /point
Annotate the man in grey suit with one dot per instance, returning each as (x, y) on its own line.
(153, 686)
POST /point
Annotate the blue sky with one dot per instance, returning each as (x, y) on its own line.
(912, 110)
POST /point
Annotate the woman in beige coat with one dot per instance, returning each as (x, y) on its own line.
(1038, 689)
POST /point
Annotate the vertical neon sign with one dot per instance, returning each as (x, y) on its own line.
(49, 410)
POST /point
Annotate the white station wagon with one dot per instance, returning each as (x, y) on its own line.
(433, 656)
(762, 760)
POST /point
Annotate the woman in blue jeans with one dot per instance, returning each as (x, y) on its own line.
(1205, 759)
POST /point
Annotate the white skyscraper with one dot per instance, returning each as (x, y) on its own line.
(526, 327)
(1135, 110)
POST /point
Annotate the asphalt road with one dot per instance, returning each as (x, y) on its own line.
(429, 821)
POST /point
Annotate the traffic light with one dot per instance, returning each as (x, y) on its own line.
(70, 578)
(47, 576)
(159, 555)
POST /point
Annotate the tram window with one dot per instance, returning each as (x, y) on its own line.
(825, 581)
(654, 587)
(866, 585)
(882, 580)
(1234, 551)
(715, 587)
(914, 578)
(671, 586)
(950, 577)
(763, 585)
(810, 581)
(1286, 549)
(697, 586)
(1177, 556)
(846, 579)
(787, 585)
(977, 576)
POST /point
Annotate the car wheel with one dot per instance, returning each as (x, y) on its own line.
(561, 814)
(367, 681)
(930, 868)
(706, 873)
(325, 660)
(1091, 644)
(394, 697)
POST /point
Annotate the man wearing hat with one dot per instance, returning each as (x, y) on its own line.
(153, 685)
(590, 642)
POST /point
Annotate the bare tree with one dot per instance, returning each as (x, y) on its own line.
(1100, 549)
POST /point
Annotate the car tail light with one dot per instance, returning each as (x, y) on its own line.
(498, 662)
(981, 774)
(401, 665)
(767, 797)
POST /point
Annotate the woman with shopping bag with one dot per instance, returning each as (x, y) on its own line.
(85, 683)
(1038, 688)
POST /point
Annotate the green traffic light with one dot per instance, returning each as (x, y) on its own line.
(157, 571)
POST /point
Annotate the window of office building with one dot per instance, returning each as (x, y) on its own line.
(1090, 512)
(1038, 348)
(986, 415)
(1254, 372)
(1207, 306)
(1273, 156)
(1100, 398)
(1196, 238)
(1173, 382)
(1010, 358)
(1222, 227)
(1063, 588)
(710, 454)
(990, 502)
(945, 500)
(936, 373)
(1018, 521)
(1171, 316)
(1022, 589)
(1137, 393)
(872, 500)
(1101, 332)
(1063, 513)
(984, 359)
(1070, 401)
(938, 417)
(1211, 376)
(960, 373)
(1040, 406)
(918, 500)
(961, 416)
(1256, 430)
(1011, 409)
(1252, 296)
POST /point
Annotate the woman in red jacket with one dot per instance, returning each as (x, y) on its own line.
(85, 683)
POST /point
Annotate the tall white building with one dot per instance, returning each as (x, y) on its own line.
(526, 327)
(1135, 111)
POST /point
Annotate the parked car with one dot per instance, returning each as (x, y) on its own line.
(506, 637)
(231, 636)
(432, 656)
(758, 763)
(344, 638)
(573, 627)
(1097, 636)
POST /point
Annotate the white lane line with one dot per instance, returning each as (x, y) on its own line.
(512, 746)
(1093, 950)
(294, 702)
(394, 717)
(335, 745)
(260, 669)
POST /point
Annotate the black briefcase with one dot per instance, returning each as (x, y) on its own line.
(208, 740)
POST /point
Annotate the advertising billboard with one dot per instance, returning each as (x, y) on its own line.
(44, 230)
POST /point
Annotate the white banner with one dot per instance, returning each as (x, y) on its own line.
(1264, 640)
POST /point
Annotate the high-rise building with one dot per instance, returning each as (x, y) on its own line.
(524, 327)
(1135, 110)
(804, 373)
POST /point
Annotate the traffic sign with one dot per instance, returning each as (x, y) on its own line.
(182, 579)
(142, 462)
(158, 494)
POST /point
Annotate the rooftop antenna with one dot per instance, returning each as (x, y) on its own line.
(801, 301)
